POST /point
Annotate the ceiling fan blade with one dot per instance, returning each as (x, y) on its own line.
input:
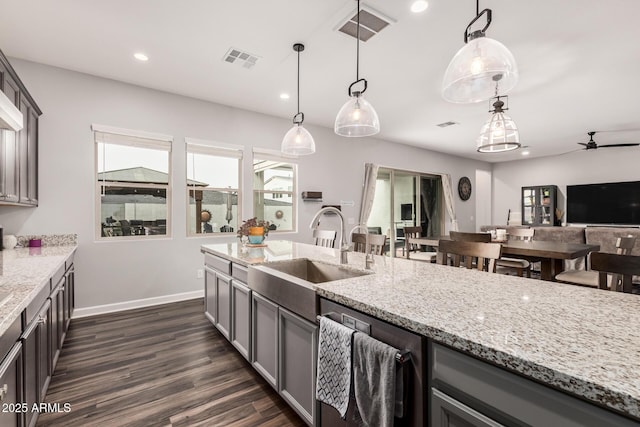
(620, 145)
(582, 143)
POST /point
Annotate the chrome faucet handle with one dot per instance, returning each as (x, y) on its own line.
(369, 261)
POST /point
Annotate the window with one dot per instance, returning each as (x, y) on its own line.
(274, 184)
(133, 176)
(213, 187)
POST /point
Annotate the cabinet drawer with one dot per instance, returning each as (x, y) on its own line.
(10, 336)
(34, 306)
(57, 277)
(239, 272)
(217, 263)
(504, 395)
(11, 386)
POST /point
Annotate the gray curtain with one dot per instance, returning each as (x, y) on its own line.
(368, 192)
(430, 189)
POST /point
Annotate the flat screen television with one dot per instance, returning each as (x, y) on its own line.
(608, 203)
(406, 211)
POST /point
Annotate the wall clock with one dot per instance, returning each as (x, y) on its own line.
(464, 188)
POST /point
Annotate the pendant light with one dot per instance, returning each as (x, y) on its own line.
(499, 133)
(357, 116)
(298, 140)
(469, 76)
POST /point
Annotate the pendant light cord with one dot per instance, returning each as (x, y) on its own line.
(358, 44)
(477, 7)
(298, 81)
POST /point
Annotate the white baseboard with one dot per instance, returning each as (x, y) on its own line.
(139, 303)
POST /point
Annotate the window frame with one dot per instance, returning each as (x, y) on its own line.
(277, 156)
(218, 149)
(144, 139)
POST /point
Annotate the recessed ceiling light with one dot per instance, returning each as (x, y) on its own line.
(419, 6)
(525, 153)
(141, 56)
(284, 96)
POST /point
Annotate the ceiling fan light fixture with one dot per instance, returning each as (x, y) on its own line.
(357, 117)
(298, 141)
(469, 78)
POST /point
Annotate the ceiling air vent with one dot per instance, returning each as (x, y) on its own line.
(241, 58)
(371, 23)
(446, 124)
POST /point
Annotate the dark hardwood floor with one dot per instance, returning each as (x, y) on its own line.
(159, 366)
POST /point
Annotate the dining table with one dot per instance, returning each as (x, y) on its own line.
(550, 254)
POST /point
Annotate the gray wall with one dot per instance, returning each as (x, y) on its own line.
(120, 272)
(578, 167)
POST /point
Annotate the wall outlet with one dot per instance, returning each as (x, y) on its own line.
(350, 221)
(199, 273)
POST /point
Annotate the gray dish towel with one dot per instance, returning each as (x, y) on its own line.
(374, 380)
(333, 379)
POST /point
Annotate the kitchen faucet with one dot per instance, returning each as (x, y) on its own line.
(344, 247)
(368, 259)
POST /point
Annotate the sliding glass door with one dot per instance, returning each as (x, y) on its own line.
(405, 199)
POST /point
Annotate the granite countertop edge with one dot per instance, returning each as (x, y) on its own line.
(23, 291)
(580, 387)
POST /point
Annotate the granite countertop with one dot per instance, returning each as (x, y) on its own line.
(580, 340)
(23, 273)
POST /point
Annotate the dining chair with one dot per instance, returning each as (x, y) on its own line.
(485, 254)
(461, 236)
(413, 250)
(375, 245)
(624, 246)
(621, 268)
(520, 265)
(325, 238)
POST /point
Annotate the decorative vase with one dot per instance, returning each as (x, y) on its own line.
(256, 235)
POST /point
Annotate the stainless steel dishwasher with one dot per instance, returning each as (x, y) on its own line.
(414, 370)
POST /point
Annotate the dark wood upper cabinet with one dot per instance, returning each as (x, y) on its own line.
(18, 150)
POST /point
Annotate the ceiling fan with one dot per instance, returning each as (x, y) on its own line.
(591, 145)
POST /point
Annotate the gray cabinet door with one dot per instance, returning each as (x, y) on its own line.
(448, 412)
(10, 166)
(297, 363)
(32, 153)
(223, 306)
(57, 319)
(11, 387)
(241, 317)
(210, 294)
(264, 339)
(44, 355)
(36, 361)
(23, 152)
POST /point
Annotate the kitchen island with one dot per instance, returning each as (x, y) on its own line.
(562, 336)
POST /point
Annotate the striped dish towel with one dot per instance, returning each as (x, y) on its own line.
(333, 379)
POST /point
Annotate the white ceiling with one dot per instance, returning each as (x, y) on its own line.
(578, 59)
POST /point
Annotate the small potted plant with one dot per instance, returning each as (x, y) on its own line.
(255, 229)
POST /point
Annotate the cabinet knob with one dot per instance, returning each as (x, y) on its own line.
(3, 391)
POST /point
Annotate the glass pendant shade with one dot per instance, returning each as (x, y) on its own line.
(357, 118)
(298, 141)
(498, 134)
(470, 75)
